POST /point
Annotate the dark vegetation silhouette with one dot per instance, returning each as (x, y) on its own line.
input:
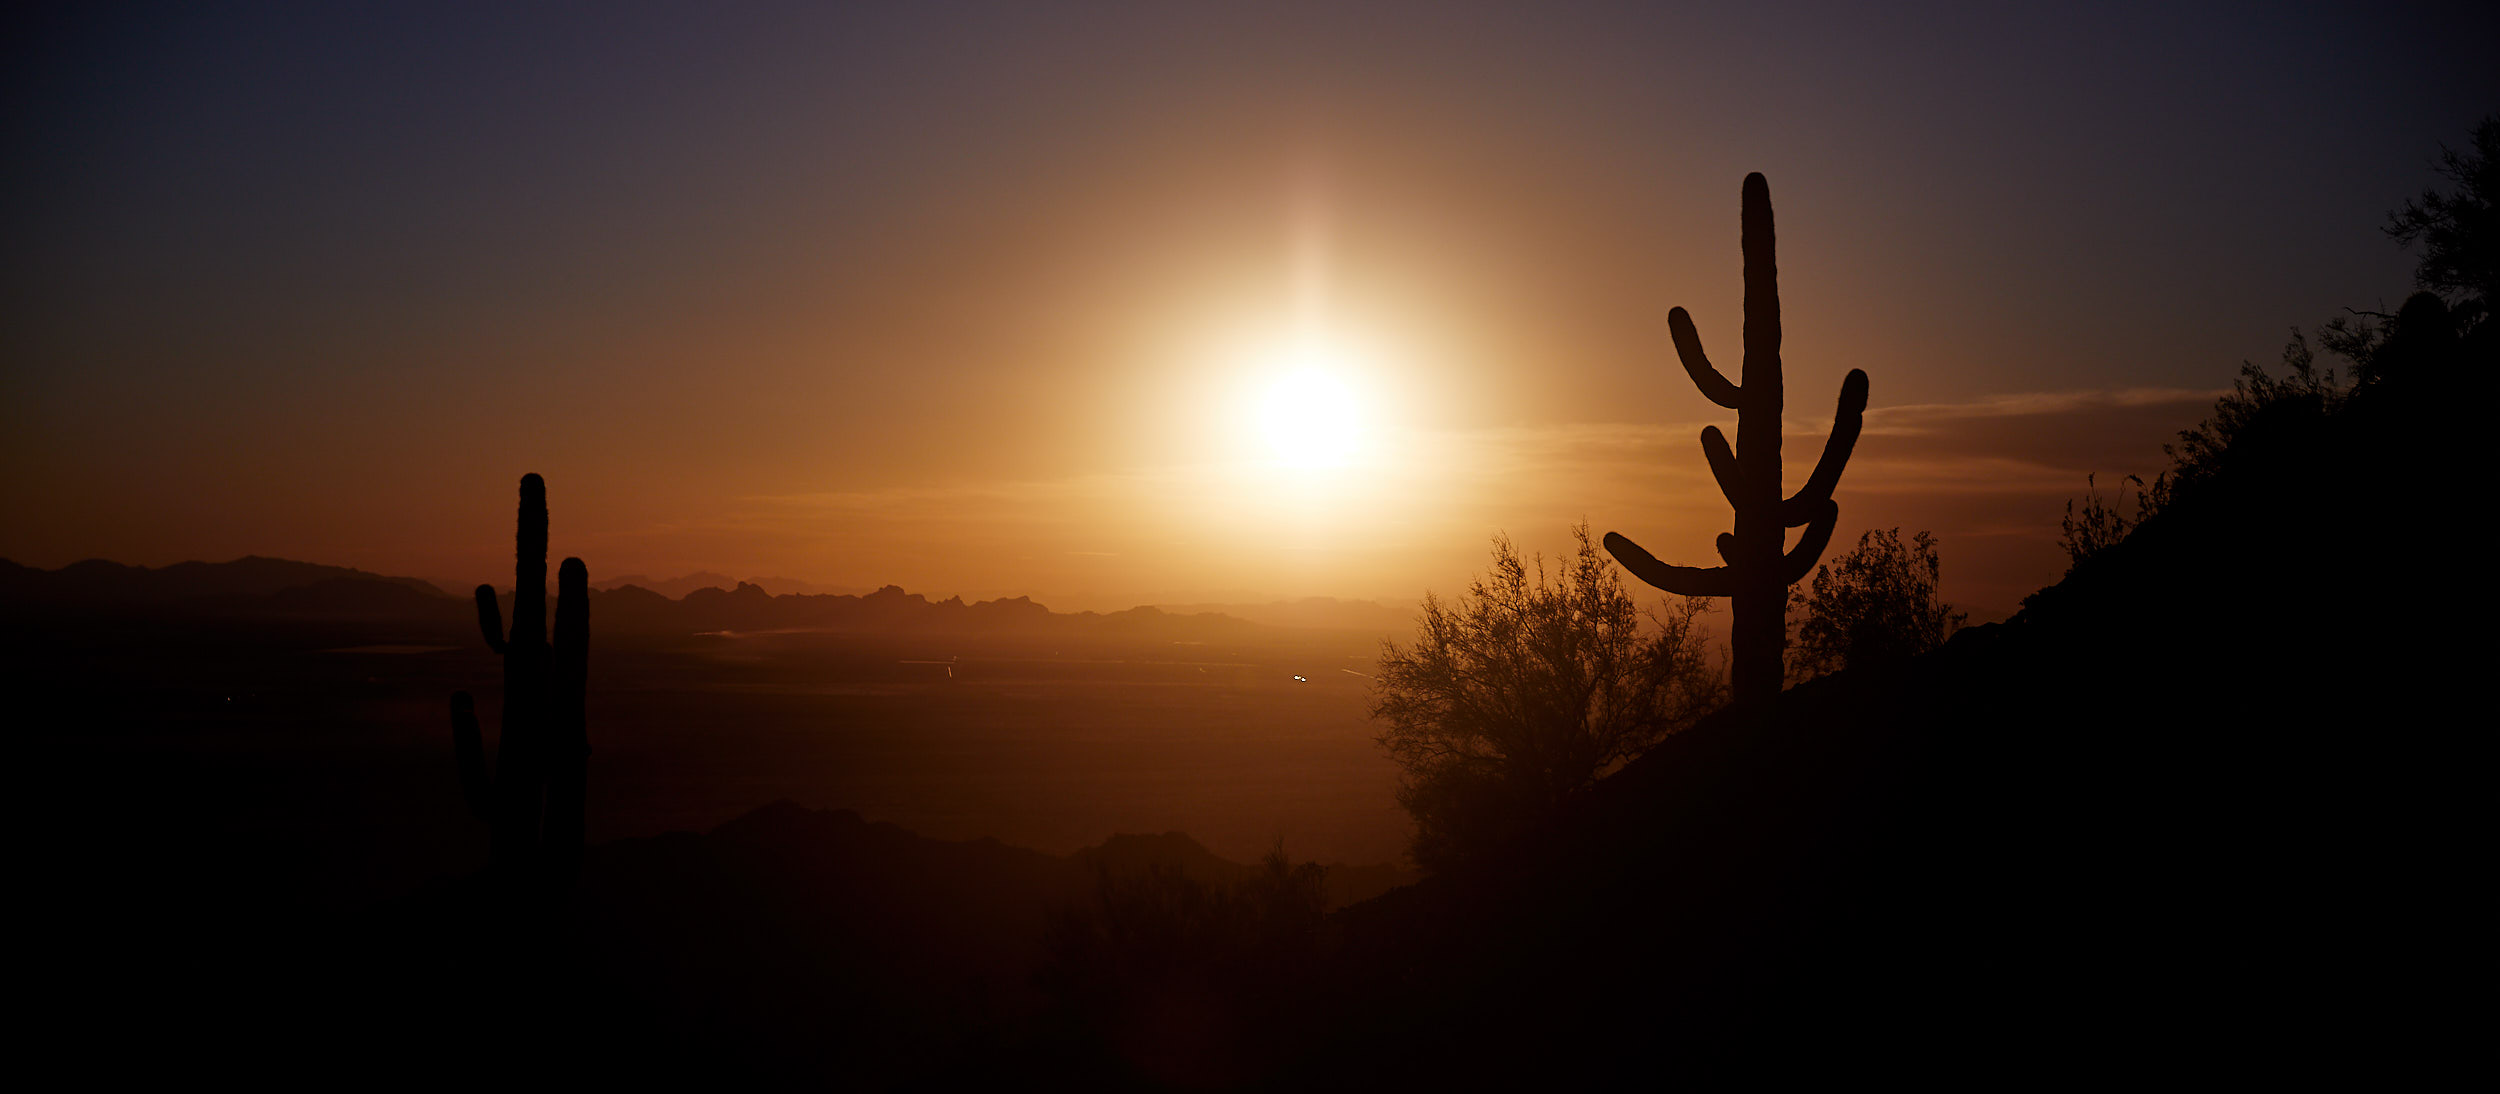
(1524, 691)
(2097, 522)
(1183, 981)
(1757, 574)
(1875, 606)
(2459, 231)
(533, 802)
(805, 945)
(2441, 338)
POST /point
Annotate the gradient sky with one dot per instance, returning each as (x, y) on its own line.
(979, 298)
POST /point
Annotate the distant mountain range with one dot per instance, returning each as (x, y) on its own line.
(747, 607)
(247, 583)
(1315, 612)
(256, 587)
(677, 588)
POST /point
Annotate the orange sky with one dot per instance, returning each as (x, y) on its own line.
(987, 306)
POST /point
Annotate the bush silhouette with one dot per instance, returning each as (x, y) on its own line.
(1875, 605)
(1522, 693)
(2104, 521)
(2459, 231)
(1757, 575)
(2417, 362)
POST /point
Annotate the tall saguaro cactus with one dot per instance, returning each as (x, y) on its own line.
(533, 802)
(1757, 574)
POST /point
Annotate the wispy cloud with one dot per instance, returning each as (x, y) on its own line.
(2011, 444)
(1989, 476)
(1918, 417)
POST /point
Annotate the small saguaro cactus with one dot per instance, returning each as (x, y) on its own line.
(533, 803)
(1756, 575)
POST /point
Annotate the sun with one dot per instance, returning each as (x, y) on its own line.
(1310, 413)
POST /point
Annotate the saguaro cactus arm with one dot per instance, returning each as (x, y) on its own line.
(529, 564)
(490, 619)
(572, 637)
(568, 743)
(1714, 386)
(1723, 465)
(1801, 507)
(1799, 561)
(1680, 580)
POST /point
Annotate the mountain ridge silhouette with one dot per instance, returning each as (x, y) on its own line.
(97, 581)
(676, 588)
(257, 586)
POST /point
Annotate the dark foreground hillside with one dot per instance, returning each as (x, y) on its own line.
(788, 944)
(2212, 802)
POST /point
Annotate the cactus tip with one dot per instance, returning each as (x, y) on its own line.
(1618, 546)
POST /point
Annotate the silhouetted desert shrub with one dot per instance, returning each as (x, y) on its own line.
(2102, 521)
(2422, 362)
(2459, 231)
(1875, 605)
(1522, 693)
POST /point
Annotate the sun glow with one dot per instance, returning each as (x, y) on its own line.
(1310, 413)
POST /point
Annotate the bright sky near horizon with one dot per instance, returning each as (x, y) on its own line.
(1112, 304)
